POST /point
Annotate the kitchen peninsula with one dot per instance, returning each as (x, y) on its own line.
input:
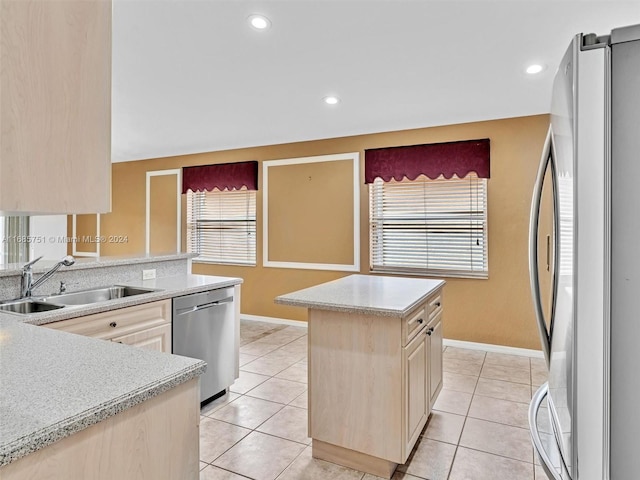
(375, 367)
(78, 407)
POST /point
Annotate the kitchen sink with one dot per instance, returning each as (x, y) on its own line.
(96, 295)
(28, 306)
(84, 297)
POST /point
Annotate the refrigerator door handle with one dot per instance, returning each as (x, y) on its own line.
(534, 406)
(547, 159)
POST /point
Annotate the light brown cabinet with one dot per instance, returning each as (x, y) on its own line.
(372, 382)
(55, 106)
(416, 384)
(435, 358)
(156, 338)
(156, 439)
(146, 326)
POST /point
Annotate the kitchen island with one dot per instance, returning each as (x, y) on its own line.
(375, 367)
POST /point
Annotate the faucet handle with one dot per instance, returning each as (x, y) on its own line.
(27, 266)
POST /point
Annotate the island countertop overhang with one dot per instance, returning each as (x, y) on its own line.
(365, 294)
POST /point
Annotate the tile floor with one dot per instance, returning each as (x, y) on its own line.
(478, 429)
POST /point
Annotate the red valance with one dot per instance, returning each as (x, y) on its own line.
(229, 176)
(432, 160)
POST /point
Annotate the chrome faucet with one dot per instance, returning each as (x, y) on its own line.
(27, 285)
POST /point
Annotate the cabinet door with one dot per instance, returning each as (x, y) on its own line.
(55, 106)
(416, 387)
(157, 338)
(435, 359)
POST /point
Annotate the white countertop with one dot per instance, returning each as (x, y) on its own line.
(367, 294)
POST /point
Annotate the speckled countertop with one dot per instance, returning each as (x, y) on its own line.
(53, 384)
(366, 294)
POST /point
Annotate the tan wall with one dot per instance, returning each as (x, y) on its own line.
(163, 209)
(313, 222)
(496, 311)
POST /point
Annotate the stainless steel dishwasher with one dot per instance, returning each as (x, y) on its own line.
(205, 327)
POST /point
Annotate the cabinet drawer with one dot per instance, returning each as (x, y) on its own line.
(434, 305)
(119, 322)
(412, 324)
(156, 338)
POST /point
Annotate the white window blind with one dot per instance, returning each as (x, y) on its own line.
(429, 227)
(221, 226)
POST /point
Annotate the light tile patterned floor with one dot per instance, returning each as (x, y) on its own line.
(478, 429)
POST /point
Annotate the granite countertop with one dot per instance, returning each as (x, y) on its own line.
(366, 294)
(54, 384)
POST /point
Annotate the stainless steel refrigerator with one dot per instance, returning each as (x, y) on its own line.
(590, 328)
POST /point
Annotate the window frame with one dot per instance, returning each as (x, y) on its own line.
(248, 220)
(398, 269)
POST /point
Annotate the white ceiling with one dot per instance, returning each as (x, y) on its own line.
(192, 76)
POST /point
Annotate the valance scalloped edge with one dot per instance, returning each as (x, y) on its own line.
(223, 176)
(433, 160)
(225, 188)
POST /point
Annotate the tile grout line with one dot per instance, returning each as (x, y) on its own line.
(466, 416)
(304, 445)
(495, 454)
(474, 393)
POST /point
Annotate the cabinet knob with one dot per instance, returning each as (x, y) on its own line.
(113, 324)
(420, 320)
(429, 331)
(437, 304)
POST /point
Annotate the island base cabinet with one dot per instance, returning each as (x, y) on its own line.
(372, 383)
(156, 439)
(352, 459)
(355, 383)
(416, 383)
(435, 358)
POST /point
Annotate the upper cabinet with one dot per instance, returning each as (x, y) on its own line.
(55, 106)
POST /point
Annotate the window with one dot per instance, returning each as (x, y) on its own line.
(429, 227)
(14, 231)
(221, 226)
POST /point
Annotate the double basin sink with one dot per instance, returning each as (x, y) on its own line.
(62, 300)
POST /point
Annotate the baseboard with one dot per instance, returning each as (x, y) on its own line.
(488, 347)
(281, 321)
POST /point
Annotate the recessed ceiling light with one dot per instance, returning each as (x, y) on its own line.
(259, 22)
(535, 68)
(331, 100)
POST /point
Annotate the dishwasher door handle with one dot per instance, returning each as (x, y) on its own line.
(204, 306)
